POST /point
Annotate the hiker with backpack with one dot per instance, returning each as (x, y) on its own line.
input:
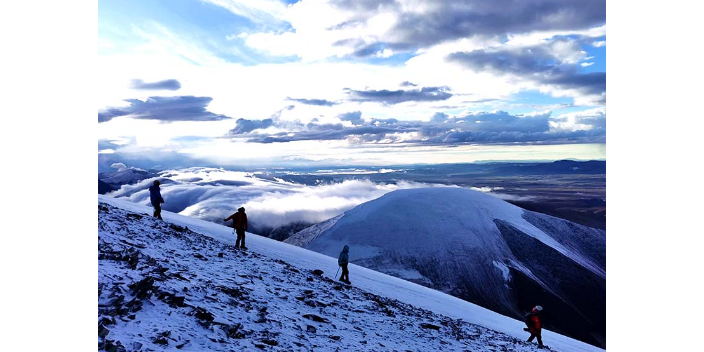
(342, 261)
(532, 320)
(156, 199)
(239, 222)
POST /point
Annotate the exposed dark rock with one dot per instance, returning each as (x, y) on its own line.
(336, 338)
(234, 331)
(204, 315)
(102, 330)
(161, 341)
(270, 342)
(181, 345)
(173, 300)
(317, 272)
(162, 338)
(316, 318)
(114, 346)
(143, 288)
(197, 255)
(429, 326)
(311, 329)
(177, 228)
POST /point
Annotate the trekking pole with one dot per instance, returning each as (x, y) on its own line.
(338, 270)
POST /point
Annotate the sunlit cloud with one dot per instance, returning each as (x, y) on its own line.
(213, 194)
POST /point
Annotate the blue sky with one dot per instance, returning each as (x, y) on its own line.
(350, 82)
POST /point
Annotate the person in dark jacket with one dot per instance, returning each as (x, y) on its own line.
(534, 327)
(342, 261)
(239, 222)
(155, 197)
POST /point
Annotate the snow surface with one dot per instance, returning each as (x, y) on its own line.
(504, 270)
(501, 330)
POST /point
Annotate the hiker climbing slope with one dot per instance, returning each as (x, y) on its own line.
(532, 320)
(239, 222)
(156, 199)
(342, 261)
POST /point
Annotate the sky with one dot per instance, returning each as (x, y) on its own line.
(349, 82)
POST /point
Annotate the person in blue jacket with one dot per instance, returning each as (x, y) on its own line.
(342, 261)
(155, 197)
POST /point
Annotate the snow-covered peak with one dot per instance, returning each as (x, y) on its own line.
(422, 220)
(125, 176)
(479, 248)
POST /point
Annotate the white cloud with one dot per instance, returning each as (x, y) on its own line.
(543, 37)
(567, 51)
(577, 95)
(482, 189)
(582, 120)
(269, 12)
(315, 204)
(312, 39)
(492, 192)
(119, 166)
(105, 44)
(512, 197)
(386, 53)
(213, 194)
(242, 35)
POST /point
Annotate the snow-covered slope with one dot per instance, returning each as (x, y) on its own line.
(269, 298)
(479, 248)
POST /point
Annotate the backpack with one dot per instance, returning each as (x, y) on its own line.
(529, 320)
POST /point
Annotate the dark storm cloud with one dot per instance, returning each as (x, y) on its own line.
(318, 102)
(329, 132)
(482, 127)
(391, 97)
(167, 109)
(244, 126)
(589, 83)
(535, 63)
(454, 19)
(168, 84)
(355, 117)
(526, 61)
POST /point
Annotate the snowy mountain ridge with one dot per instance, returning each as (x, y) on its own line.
(478, 248)
(491, 207)
(166, 284)
(125, 176)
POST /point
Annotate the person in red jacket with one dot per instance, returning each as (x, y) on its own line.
(239, 222)
(533, 322)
